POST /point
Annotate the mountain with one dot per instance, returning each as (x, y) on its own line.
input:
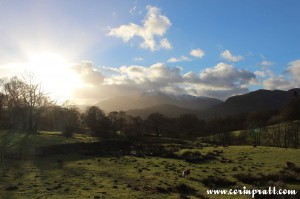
(255, 101)
(152, 99)
(167, 110)
(176, 105)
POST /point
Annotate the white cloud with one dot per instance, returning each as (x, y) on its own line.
(221, 81)
(197, 53)
(138, 59)
(294, 69)
(266, 63)
(229, 57)
(191, 77)
(260, 73)
(153, 25)
(180, 59)
(279, 82)
(265, 72)
(164, 43)
(163, 74)
(88, 74)
(132, 10)
(289, 80)
(225, 75)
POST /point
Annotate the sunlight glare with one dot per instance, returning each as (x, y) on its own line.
(55, 74)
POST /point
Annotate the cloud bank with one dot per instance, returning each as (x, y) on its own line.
(220, 81)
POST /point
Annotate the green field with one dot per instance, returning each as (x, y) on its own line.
(128, 176)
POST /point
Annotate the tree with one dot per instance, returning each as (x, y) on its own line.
(96, 120)
(121, 120)
(156, 122)
(12, 101)
(133, 125)
(24, 101)
(71, 120)
(290, 116)
(256, 125)
(2, 100)
(138, 125)
(34, 100)
(113, 119)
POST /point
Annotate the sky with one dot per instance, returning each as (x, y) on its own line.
(87, 51)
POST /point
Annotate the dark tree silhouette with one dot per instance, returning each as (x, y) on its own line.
(71, 119)
(24, 100)
(96, 120)
(156, 122)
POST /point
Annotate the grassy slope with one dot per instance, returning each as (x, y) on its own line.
(131, 177)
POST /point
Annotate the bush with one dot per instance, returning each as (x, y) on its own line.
(193, 157)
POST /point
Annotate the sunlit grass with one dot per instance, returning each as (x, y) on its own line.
(126, 176)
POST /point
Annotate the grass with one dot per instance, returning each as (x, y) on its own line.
(102, 176)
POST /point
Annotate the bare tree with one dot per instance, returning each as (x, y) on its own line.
(34, 100)
(24, 100)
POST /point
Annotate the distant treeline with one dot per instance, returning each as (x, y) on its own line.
(24, 106)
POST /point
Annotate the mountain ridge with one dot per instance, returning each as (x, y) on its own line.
(146, 100)
(203, 107)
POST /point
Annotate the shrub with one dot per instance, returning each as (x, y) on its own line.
(193, 157)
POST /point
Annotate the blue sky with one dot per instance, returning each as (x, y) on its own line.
(99, 49)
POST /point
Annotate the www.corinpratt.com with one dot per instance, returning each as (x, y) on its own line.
(252, 192)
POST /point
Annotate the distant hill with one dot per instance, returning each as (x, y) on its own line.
(255, 101)
(152, 99)
(167, 110)
(176, 105)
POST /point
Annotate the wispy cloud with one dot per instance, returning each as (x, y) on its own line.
(138, 59)
(229, 57)
(164, 43)
(154, 25)
(266, 63)
(198, 53)
(180, 59)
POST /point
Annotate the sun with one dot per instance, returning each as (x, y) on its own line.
(55, 74)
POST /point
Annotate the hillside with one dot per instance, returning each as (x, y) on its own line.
(150, 99)
(114, 173)
(167, 110)
(255, 101)
(176, 105)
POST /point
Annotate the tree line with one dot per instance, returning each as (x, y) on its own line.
(25, 106)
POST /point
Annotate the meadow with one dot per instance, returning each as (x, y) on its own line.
(139, 174)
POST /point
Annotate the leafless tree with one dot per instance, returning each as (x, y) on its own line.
(24, 100)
